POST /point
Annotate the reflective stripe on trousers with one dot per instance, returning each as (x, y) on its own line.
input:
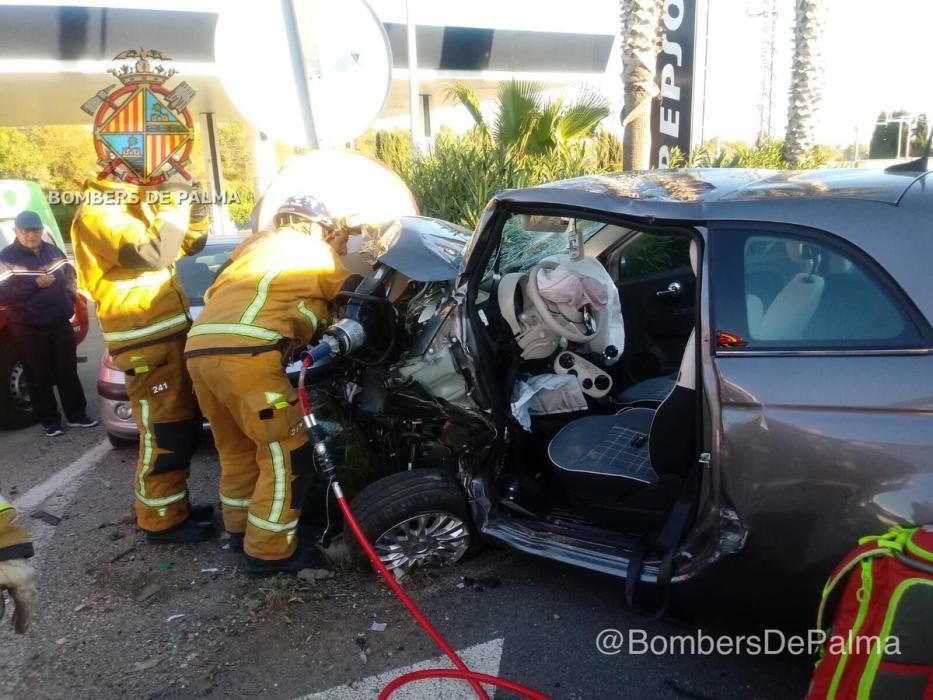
(263, 524)
(146, 437)
(234, 502)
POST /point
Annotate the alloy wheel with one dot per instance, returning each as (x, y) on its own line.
(427, 539)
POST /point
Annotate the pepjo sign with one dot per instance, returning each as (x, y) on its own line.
(671, 112)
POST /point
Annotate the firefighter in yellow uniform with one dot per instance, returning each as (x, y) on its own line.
(269, 299)
(17, 577)
(126, 241)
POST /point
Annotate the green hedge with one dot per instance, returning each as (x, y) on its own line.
(456, 177)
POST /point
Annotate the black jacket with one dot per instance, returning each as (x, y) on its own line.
(27, 303)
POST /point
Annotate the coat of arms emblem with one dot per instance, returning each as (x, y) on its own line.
(143, 132)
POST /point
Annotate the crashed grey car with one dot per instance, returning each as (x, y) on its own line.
(651, 374)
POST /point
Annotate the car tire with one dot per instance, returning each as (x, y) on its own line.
(427, 502)
(121, 442)
(15, 411)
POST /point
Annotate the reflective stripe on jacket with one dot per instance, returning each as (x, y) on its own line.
(125, 249)
(27, 303)
(276, 286)
(14, 543)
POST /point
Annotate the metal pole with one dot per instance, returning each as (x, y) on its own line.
(898, 152)
(215, 176)
(855, 156)
(299, 73)
(412, 71)
(705, 76)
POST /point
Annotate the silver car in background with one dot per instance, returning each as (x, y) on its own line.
(196, 272)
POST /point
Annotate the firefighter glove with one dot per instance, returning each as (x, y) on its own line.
(18, 579)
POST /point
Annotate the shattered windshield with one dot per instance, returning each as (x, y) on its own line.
(527, 239)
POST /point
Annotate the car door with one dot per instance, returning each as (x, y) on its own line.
(658, 292)
(825, 378)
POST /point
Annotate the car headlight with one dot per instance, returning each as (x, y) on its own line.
(123, 411)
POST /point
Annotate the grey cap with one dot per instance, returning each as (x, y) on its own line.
(28, 220)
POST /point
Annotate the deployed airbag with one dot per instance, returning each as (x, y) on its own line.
(564, 286)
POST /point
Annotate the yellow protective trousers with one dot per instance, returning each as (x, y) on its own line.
(266, 460)
(169, 423)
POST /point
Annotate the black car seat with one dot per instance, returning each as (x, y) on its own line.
(648, 393)
(637, 444)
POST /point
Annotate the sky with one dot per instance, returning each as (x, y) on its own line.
(875, 54)
(875, 58)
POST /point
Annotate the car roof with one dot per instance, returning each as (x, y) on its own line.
(730, 185)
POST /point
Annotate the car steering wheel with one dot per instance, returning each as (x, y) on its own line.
(566, 329)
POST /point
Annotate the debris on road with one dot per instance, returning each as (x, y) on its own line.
(480, 584)
(378, 627)
(122, 553)
(361, 645)
(145, 665)
(172, 618)
(212, 570)
(147, 592)
(45, 517)
(166, 565)
(315, 575)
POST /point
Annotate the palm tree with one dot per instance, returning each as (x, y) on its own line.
(805, 80)
(641, 28)
(526, 122)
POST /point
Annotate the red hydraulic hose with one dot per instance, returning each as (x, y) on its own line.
(463, 671)
(465, 675)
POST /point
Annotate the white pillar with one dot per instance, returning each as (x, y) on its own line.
(264, 165)
(215, 176)
(299, 68)
(412, 73)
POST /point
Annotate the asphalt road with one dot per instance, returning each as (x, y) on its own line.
(120, 618)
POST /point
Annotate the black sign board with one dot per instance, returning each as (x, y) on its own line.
(671, 112)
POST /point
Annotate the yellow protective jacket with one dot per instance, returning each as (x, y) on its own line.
(273, 290)
(14, 543)
(126, 240)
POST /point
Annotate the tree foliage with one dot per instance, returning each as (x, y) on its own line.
(526, 122)
(767, 155)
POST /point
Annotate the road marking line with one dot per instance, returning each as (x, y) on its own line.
(62, 479)
(483, 658)
(62, 486)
